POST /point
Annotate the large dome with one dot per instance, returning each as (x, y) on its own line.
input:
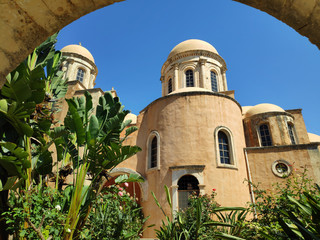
(78, 49)
(192, 44)
(263, 108)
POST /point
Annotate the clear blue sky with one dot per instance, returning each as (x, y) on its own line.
(268, 62)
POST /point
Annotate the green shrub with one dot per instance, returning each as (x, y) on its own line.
(42, 211)
(114, 215)
(270, 204)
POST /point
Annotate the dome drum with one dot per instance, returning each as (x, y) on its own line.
(79, 65)
(202, 59)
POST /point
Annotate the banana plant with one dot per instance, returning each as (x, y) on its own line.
(93, 140)
(26, 108)
(26, 117)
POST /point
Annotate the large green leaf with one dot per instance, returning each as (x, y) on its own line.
(14, 159)
(16, 87)
(94, 127)
(74, 123)
(44, 163)
(131, 178)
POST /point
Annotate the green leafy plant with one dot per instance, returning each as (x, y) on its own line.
(115, 215)
(26, 115)
(88, 144)
(195, 222)
(45, 218)
(274, 209)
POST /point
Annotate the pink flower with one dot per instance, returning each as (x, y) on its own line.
(120, 194)
(120, 188)
(213, 189)
(126, 184)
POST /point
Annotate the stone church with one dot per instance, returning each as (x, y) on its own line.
(197, 137)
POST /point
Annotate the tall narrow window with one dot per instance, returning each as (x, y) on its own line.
(224, 148)
(187, 185)
(170, 85)
(265, 135)
(154, 152)
(214, 84)
(189, 78)
(291, 133)
(80, 75)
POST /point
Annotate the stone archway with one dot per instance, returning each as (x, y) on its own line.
(25, 24)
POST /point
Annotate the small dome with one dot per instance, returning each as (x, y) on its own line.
(190, 89)
(78, 49)
(263, 108)
(132, 117)
(313, 137)
(245, 109)
(192, 44)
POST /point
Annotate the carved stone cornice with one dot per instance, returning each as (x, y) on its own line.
(204, 53)
(75, 55)
(264, 116)
(202, 61)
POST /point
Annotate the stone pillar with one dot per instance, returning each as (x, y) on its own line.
(176, 77)
(202, 79)
(163, 86)
(175, 199)
(224, 80)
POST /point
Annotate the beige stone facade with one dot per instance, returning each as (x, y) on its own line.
(197, 137)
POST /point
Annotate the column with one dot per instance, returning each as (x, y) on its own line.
(163, 86)
(176, 77)
(202, 79)
(175, 198)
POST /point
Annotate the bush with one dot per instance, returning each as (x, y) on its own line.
(114, 215)
(44, 213)
(270, 204)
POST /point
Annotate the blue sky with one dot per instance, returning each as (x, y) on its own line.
(268, 62)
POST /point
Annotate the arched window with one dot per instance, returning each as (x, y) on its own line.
(153, 147)
(170, 85)
(291, 133)
(265, 135)
(214, 84)
(224, 148)
(189, 78)
(187, 185)
(154, 150)
(80, 74)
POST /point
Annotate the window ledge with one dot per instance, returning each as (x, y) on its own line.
(150, 170)
(227, 166)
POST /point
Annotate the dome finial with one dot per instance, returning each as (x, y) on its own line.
(80, 44)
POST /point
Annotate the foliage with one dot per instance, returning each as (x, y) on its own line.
(46, 213)
(89, 142)
(195, 222)
(97, 136)
(306, 224)
(271, 206)
(26, 113)
(115, 215)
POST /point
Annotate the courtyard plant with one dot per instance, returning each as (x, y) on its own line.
(86, 145)
(290, 210)
(198, 220)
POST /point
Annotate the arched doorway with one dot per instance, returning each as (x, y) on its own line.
(132, 188)
(187, 185)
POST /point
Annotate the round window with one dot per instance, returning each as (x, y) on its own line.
(281, 168)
